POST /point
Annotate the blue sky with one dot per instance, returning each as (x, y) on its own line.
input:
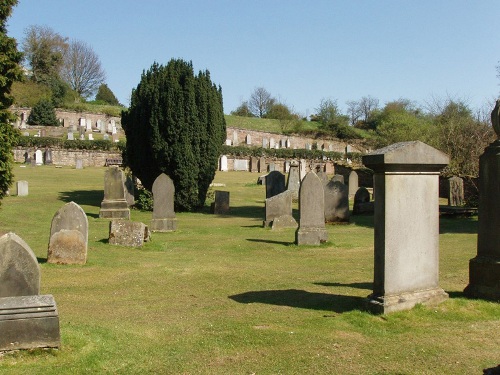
(300, 51)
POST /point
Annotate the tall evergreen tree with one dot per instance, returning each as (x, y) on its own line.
(10, 71)
(175, 125)
(105, 94)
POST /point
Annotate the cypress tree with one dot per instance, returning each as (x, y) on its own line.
(175, 125)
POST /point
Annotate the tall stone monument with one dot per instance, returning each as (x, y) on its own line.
(114, 204)
(275, 183)
(484, 269)
(164, 219)
(406, 268)
(293, 183)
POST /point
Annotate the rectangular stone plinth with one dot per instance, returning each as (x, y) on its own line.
(114, 209)
(29, 322)
(163, 225)
(404, 301)
(311, 236)
(484, 278)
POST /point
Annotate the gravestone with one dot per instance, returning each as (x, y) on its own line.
(406, 220)
(271, 166)
(308, 146)
(88, 124)
(228, 142)
(287, 166)
(265, 142)
(275, 183)
(128, 233)
(223, 163)
(129, 190)
(22, 188)
(68, 236)
(311, 229)
(353, 183)
(362, 204)
(82, 123)
(28, 320)
(293, 183)
(105, 136)
(164, 219)
(39, 157)
(91, 137)
(339, 178)
(79, 163)
(248, 139)
(221, 204)
(43, 133)
(262, 164)
(455, 191)
(288, 143)
(114, 205)
(109, 128)
(48, 156)
(254, 164)
(322, 176)
(240, 165)
(271, 143)
(484, 269)
(279, 211)
(82, 137)
(302, 169)
(235, 138)
(115, 138)
(336, 202)
(70, 135)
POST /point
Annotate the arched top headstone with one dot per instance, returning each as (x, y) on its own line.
(163, 197)
(312, 202)
(19, 269)
(70, 217)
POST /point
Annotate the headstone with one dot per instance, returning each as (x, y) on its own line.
(114, 204)
(308, 146)
(287, 166)
(254, 164)
(88, 124)
(271, 166)
(275, 183)
(70, 135)
(113, 130)
(338, 177)
(109, 127)
(82, 137)
(336, 202)
(23, 120)
(128, 233)
(91, 137)
(293, 184)
(228, 142)
(406, 220)
(279, 211)
(240, 165)
(262, 164)
(271, 143)
(115, 137)
(105, 136)
(28, 320)
(43, 133)
(265, 142)
(322, 176)
(223, 163)
(484, 269)
(277, 146)
(221, 204)
(82, 122)
(79, 163)
(22, 188)
(248, 139)
(348, 149)
(353, 183)
(39, 157)
(48, 156)
(68, 236)
(129, 190)
(288, 143)
(235, 138)
(455, 191)
(164, 219)
(330, 148)
(362, 203)
(302, 169)
(311, 229)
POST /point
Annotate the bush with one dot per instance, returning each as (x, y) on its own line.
(43, 113)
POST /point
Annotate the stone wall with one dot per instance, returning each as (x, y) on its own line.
(69, 157)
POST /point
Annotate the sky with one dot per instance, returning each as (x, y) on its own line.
(300, 51)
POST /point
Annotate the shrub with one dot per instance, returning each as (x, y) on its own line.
(43, 113)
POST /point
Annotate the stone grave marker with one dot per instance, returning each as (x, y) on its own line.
(39, 157)
(271, 166)
(262, 164)
(79, 163)
(48, 156)
(265, 142)
(275, 183)
(303, 169)
(362, 203)
(105, 136)
(91, 137)
(22, 188)
(293, 183)
(240, 165)
(164, 219)
(114, 204)
(271, 143)
(88, 124)
(221, 204)
(336, 202)
(254, 164)
(248, 139)
(406, 220)
(455, 191)
(28, 320)
(43, 133)
(129, 191)
(311, 229)
(68, 236)
(223, 163)
(287, 166)
(70, 135)
(279, 211)
(228, 142)
(235, 138)
(338, 177)
(128, 233)
(353, 183)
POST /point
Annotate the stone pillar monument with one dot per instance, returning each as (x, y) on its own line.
(114, 205)
(406, 220)
(484, 269)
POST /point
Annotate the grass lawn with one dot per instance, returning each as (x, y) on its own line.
(222, 295)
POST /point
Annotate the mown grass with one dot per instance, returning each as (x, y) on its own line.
(222, 295)
(267, 125)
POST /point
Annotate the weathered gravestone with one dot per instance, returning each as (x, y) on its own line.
(362, 204)
(353, 183)
(221, 204)
(129, 190)
(406, 269)
(311, 229)
(28, 320)
(455, 191)
(78, 163)
(223, 163)
(114, 204)
(254, 164)
(302, 169)
(22, 188)
(336, 202)
(484, 269)
(338, 177)
(293, 183)
(241, 165)
(322, 176)
(39, 157)
(128, 233)
(163, 205)
(275, 183)
(262, 165)
(68, 236)
(279, 211)
(70, 135)
(271, 166)
(48, 156)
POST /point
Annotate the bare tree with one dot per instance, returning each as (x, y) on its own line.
(353, 111)
(82, 69)
(260, 102)
(367, 105)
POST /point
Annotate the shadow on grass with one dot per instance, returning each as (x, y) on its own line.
(302, 299)
(271, 241)
(458, 225)
(368, 286)
(41, 260)
(83, 197)
(254, 212)
(362, 220)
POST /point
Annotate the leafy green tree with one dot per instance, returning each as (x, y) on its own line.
(43, 113)
(105, 94)
(10, 71)
(333, 121)
(279, 111)
(243, 110)
(175, 125)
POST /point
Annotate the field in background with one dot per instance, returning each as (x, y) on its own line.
(222, 295)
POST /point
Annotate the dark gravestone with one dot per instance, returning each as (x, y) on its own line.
(311, 229)
(338, 177)
(336, 202)
(362, 202)
(163, 205)
(275, 183)
(128, 233)
(279, 211)
(114, 204)
(455, 191)
(68, 236)
(27, 320)
(221, 204)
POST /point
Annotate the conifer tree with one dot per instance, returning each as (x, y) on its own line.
(175, 125)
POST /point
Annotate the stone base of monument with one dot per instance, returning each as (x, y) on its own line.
(484, 278)
(283, 221)
(29, 322)
(405, 301)
(114, 210)
(311, 236)
(163, 225)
